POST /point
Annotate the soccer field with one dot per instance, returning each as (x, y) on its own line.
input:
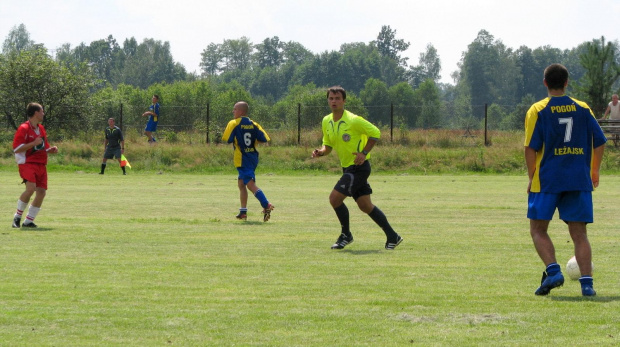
(148, 259)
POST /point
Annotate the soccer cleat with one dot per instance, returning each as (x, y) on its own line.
(29, 225)
(549, 282)
(342, 241)
(16, 221)
(588, 291)
(391, 245)
(242, 215)
(267, 212)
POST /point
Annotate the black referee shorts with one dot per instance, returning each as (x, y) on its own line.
(354, 181)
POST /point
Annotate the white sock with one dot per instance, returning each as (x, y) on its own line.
(21, 206)
(32, 214)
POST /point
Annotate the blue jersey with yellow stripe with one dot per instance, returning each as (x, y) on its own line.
(564, 132)
(243, 134)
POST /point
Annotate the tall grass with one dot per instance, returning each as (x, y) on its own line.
(412, 152)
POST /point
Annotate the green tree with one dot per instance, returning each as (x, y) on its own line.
(237, 54)
(429, 66)
(402, 97)
(150, 62)
(18, 40)
(428, 100)
(489, 73)
(516, 118)
(211, 62)
(32, 76)
(269, 52)
(530, 78)
(602, 71)
(376, 98)
(391, 47)
(295, 53)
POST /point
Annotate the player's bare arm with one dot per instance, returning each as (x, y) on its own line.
(319, 152)
(597, 158)
(360, 157)
(530, 161)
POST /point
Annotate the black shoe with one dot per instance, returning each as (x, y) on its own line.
(101, 173)
(342, 241)
(391, 245)
(124, 173)
(242, 215)
(16, 221)
(29, 225)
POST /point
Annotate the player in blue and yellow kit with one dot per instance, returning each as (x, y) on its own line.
(244, 133)
(153, 114)
(563, 151)
(353, 138)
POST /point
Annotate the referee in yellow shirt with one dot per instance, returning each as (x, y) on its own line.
(353, 138)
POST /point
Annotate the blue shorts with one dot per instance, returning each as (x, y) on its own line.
(246, 174)
(573, 206)
(151, 126)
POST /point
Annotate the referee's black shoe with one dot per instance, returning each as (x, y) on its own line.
(390, 245)
(342, 241)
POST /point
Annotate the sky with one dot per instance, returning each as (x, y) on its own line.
(319, 25)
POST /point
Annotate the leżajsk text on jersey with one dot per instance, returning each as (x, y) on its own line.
(563, 131)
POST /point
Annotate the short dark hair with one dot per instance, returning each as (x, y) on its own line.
(336, 90)
(156, 96)
(556, 76)
(32, 108)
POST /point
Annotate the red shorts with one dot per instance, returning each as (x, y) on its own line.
(33, 172)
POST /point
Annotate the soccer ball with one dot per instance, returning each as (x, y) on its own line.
(572, 269)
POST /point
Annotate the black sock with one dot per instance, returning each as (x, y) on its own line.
(379, 217)
(343, 216)
(122, 167)
(102, 168)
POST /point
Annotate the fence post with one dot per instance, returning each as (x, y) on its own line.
(298, 124)
(208, 114)
(486, 117)
(391, 122)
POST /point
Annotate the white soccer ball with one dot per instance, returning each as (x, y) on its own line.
(572, 269)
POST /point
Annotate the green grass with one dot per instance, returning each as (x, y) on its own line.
(158, 259)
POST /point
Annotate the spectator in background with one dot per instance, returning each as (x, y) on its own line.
(613, 109)
(151, 124)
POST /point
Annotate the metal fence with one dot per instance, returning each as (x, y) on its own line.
(210, 121)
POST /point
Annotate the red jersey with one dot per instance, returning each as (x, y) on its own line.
(26, 133)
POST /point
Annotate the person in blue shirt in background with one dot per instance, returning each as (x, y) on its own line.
(151, 124)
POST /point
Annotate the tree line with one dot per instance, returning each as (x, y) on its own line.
(84, 85)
